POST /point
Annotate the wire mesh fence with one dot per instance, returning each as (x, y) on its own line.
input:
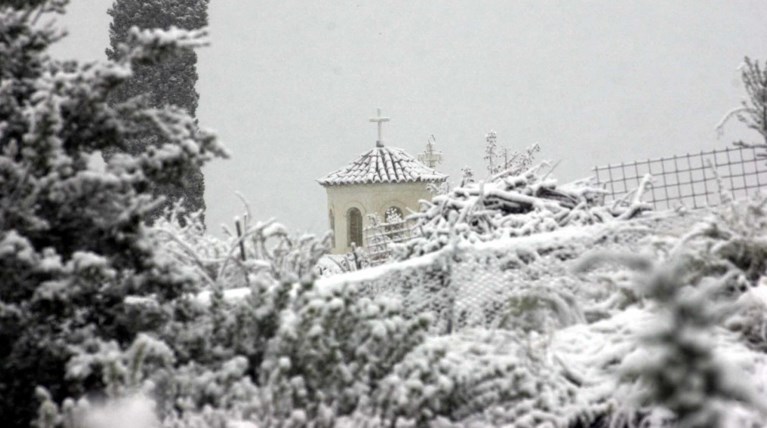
(486, 284)
(691, 180)
(380, 236)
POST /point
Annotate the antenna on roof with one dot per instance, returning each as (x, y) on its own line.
(380, 120)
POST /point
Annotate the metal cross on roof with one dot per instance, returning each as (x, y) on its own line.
(430, 157)
(380, 120)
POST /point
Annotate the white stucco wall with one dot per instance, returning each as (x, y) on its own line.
(370, 198)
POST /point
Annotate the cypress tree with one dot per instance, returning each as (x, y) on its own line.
(169, 83)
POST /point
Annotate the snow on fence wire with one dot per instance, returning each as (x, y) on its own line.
(378, 237)
(473, 285)
(689, 180)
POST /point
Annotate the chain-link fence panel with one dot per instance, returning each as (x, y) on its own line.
(516, 282)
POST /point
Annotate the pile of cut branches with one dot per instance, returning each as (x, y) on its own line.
(510, 205)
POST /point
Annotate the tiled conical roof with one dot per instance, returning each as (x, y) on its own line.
(383, 165)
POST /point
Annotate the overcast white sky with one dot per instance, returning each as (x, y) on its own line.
(289, 85)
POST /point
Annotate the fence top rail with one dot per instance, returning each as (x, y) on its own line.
(404, 222)
(667, 158)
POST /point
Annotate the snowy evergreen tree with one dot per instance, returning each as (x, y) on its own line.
(73, 243)
(753, 109)
(167, 83)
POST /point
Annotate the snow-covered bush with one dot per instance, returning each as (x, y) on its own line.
(73, 244)
(286, 352)
(496, 377)
(676, 364)
(732, 246)
(739, 230)
(678, 367)
(302, 354)
(331, 350)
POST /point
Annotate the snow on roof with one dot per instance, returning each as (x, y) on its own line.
(382, 165)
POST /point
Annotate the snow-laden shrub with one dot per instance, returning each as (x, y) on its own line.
(676, 363)
(732, 245)
(212, 362)
(145, 389)
(740, 231)
(303, 354)
(496, 377)
(677, 368)
(330, 351)
(221, 343)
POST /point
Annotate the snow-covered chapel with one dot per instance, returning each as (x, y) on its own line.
(385, 181)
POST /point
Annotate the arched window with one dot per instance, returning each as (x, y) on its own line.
(333, 226)
(393, 215)
(354, 219)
